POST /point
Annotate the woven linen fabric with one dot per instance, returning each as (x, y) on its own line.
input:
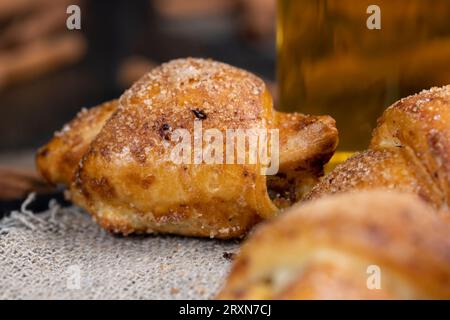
(63, 254)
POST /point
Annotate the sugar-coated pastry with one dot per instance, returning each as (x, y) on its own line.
(58, 160)
(124, 175)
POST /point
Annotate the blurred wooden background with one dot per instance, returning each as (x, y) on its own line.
(48, 73)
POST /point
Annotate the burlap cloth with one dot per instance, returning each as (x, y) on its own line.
(63, 254)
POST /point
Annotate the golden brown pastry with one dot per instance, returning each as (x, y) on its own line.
(58, 160)
(409, 151)
(306, 144)
(367, 245)
(126, 181)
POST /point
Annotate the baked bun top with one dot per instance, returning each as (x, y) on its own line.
(322, 250)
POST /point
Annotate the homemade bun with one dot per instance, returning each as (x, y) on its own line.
(124, 176)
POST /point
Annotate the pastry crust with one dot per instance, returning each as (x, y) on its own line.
(409, 151)
(390, 169)
(58, 160)
(124, 178)
(306, 144)
(328, 248)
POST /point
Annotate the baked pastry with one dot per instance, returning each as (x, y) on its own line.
(409, 151)
(119, 169)
(58, 160)
(367, 245)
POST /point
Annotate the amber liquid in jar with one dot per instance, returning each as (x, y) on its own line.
(330, 62)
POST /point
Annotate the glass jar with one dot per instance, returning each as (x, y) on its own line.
(352, 58)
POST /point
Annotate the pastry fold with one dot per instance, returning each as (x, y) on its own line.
(116, 158)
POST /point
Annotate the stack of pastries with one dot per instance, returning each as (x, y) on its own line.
(390, 214)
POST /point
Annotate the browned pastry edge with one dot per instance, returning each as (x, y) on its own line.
(421, 124)
(322, 249)
(390, 169)
(306, 144)
(58, 160)
(410, 152)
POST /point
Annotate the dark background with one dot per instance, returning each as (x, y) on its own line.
(117, 32)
